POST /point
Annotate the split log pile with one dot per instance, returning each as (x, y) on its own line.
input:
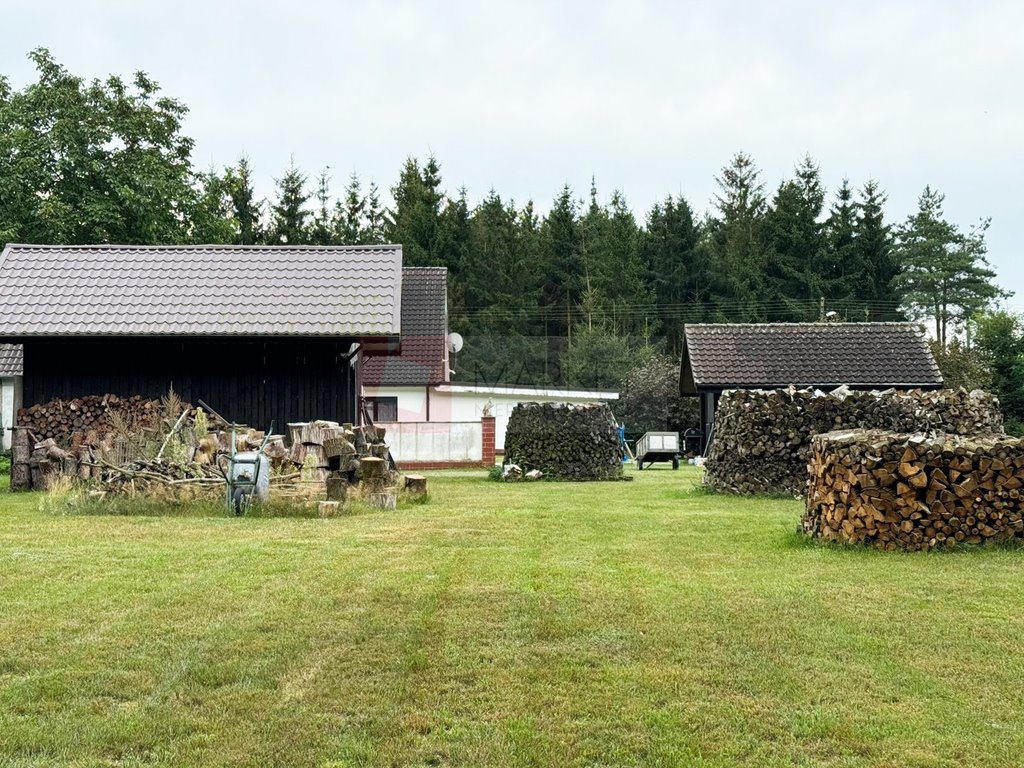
(564, 442)
(139, 446)
(915, 491)
(348, 460)
(762, 439)
(89, 419)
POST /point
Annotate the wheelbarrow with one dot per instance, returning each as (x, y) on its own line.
(247, 474)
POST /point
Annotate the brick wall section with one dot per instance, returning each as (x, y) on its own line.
(412, 466)
(487, 424)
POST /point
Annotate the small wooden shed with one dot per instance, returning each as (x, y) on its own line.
(717, 357)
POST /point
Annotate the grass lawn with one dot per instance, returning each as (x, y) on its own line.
(600, 624)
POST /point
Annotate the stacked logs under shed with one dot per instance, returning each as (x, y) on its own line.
(915, 491)
(762, 438)
(89, 419)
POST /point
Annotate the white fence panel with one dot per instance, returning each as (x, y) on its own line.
(435, 440)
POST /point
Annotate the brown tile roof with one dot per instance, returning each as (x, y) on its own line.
(200, 290)
(422, 359)
(11, 359)
(806, 354)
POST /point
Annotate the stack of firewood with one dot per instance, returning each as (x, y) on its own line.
(564, 442)
(920, 491)
(137, 446)
(762, 439)
(334, 454)
(89, 419)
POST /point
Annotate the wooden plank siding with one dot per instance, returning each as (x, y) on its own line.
(248, 380)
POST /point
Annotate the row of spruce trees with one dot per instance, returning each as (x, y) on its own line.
(579, 293)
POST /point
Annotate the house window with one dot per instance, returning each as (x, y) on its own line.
(382, 408)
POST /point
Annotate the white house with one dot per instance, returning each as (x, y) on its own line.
(431, 419)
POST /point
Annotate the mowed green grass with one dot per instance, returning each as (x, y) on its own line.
(543, 624)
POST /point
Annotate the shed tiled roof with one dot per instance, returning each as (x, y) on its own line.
(11, 359)
(807, 355)
(422, 359)
(200, 290)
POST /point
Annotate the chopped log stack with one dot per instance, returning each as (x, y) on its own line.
(564, 442)
(131, 444)
(88, 419)
(762, 438)
(915, 491)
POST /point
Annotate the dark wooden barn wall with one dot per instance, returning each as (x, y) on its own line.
(250, 381)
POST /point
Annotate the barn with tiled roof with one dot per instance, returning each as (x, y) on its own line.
(261, 333)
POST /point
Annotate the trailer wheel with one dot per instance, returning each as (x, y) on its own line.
(639, 463)
(675, 462)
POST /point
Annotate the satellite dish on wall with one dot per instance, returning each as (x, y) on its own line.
(455, 342)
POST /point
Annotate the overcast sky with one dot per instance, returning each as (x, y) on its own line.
(650, 98)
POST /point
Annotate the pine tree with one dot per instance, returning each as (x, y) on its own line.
(288, 213)
(737, 242)
(677, 267)
(945, 276)
(798, 266)
(322, 231)
(839, 235)
(414, 220)
(610, 250)
(247, 210)
(373, 234)
(452, 241)
(872, 248)
(562, 264)
(350, 215)
(497, 294)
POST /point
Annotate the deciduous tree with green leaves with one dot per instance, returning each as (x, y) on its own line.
(93, 162)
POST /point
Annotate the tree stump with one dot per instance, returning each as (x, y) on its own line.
(21, 477)
(337, 489)
(21, 448)
(371, 468)
(416, 486)
(382, 500)
(328, 508)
